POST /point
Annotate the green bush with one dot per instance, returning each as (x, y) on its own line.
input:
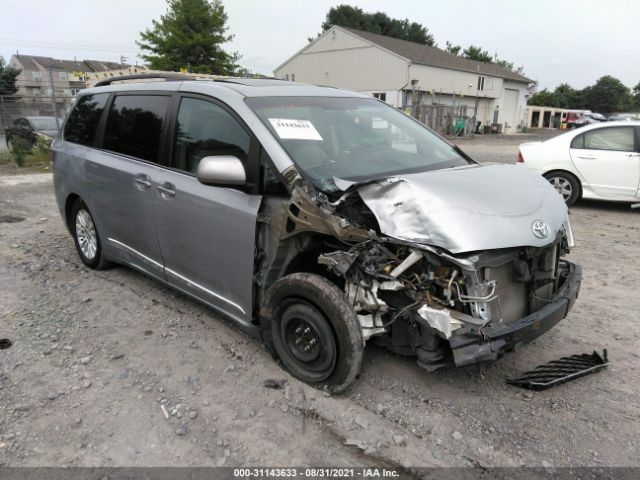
(43, 144)
(20, 148)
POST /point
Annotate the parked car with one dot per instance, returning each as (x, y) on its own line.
(30, 128)
(600, 161)
(317, 219)
(591, 118)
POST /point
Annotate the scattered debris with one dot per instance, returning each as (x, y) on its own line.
(560, 371)
(399, 440)
(457, 435)
(362, 422)
(5, 343)
(164, 411)
(275, 384)
(182, 429)
(10, 219)
(85, 360)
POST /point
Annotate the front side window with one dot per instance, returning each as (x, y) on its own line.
(355, 139)
(620, 139)
(134, 125)
(205, 129)
(36, 77)
(62, 76)
(83, 119)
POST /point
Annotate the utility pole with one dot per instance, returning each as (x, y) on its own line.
(53, 99)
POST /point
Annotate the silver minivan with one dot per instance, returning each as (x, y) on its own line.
(316, 218)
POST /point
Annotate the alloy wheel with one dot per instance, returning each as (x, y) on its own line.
(86, 234)
(562, 186)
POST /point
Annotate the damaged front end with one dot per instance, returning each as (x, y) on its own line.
(416, 298)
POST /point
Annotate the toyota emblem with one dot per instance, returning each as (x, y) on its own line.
(541, 229)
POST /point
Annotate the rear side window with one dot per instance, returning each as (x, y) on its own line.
(134, 125)
(83, 120)
(620, 139)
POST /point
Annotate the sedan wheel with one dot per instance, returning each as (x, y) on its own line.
(566, 185)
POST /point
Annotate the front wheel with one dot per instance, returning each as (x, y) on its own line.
(86, 238)
(309, 325)
(566, 185)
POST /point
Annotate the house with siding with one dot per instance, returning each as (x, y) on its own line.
(68, 75)
(405, 74)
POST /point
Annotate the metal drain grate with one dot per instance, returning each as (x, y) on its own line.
(560, 371)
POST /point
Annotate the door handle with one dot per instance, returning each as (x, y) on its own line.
(166, 190)
(585, 157)
(631, 155)
(143, 181)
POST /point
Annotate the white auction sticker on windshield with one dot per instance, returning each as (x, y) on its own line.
(290, 129)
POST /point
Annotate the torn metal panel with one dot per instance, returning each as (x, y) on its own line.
(468, 208)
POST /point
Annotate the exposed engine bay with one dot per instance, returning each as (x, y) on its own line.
(410, 297)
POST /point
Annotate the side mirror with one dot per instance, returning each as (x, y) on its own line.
(222, 170)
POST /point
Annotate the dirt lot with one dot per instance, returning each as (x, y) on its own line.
(97, 355)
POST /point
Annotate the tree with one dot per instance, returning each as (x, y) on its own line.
(190, 35)
(636, 96)
(543, 98)
(476, 53)
(379, 22)
(451, 48)
(8, 75)
(608, 95)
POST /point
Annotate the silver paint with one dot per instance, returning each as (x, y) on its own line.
(221, 170)
(465, 209)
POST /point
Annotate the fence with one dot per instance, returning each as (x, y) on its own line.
(445, 119)
(13, 107)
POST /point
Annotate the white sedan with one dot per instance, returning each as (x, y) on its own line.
(600, 161)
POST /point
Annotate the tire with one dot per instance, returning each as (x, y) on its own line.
(566, 185)
(86, 237)
(308, 324)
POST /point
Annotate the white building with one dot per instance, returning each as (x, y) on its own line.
(405, 73)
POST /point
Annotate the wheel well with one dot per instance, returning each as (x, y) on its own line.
(70, 202)
(566, 172)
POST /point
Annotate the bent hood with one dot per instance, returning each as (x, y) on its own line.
(464, 209)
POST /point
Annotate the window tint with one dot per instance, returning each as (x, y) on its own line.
(134, 125)
(618, 139)
(83, 120)
(204, 129)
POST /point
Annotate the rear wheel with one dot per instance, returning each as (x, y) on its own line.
(309, 325)
(86, 237)
(566, 185)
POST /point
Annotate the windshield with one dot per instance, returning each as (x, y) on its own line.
(355, 139)
(44, 123)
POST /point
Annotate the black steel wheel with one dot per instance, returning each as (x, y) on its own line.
(310, 327)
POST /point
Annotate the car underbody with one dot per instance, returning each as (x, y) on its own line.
(413, 298)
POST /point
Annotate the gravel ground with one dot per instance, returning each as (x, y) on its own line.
(99, 357)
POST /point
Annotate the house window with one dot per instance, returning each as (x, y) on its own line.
(35, 92)
(286, 77)
(381, 96)
(36, 77)
(481, 83)
(293, 77)
(62, 76)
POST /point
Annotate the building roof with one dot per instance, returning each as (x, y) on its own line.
(32, 62)
(432, 56)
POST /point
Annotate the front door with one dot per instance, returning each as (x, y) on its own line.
(121, 179)
(207, 233)
(609, 161)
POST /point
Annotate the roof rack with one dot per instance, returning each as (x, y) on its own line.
(145, 76)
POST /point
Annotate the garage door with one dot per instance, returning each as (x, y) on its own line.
(510, 110)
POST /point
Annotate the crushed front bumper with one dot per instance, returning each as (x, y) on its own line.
(501, 338)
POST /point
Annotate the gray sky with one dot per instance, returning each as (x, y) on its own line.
(574, 41)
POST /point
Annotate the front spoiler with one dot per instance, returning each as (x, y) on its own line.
(498, 339)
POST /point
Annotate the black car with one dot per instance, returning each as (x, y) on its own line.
(29, 128)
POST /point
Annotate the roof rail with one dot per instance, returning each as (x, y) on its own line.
(144, 76)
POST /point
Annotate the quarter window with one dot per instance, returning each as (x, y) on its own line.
(620, 139)
(83, 120)
(134, 125)
(205, 129)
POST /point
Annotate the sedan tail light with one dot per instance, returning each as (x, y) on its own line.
(520, 157)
